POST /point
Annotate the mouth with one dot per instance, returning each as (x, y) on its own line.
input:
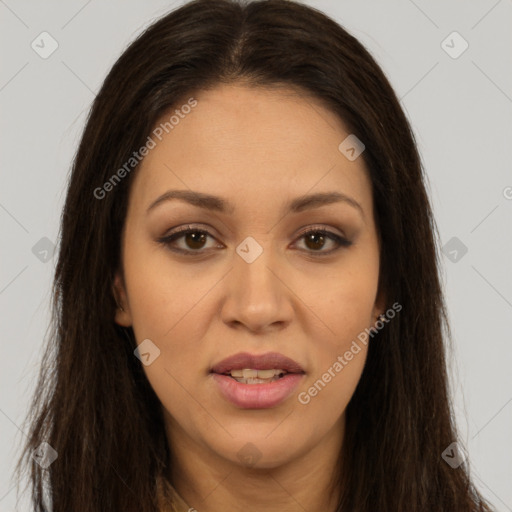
(253, 381)
(260, 363)
(252, 376)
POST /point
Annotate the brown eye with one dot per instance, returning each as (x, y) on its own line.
(193, 240)
(316, 239)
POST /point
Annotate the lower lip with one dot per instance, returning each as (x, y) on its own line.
(257, 396)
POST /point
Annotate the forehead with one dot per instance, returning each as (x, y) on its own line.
(260, 145)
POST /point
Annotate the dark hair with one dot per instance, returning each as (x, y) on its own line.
(400, 418)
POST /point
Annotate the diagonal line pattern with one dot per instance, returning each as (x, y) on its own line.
(424, 14)
(215, 488)
(14, 76)
(497, 497)
(502, 296)
(122, 480)
(198, 301)
(2, 2)
(13, 423)
(279, 424)
(75, 15)
(491, 419)
(13, 279)
(13, 218)
(76, 118)
(197, 402)
(486, 14)
(78, 78)
(301, 300)
(419, 81)
(492, 81)
(286, 491)
(8, 492)
(484, 219)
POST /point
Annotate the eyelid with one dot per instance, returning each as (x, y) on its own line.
(176, 234)
(341, 240)
(179, 232)
(319, 227)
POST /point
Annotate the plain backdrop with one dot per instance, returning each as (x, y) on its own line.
(456, 90)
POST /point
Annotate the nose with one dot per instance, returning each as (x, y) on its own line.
(257, 295)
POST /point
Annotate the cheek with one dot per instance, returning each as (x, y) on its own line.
(339, 356)
(164, 307)
(167, 307)
(345, 310)
(164, 299)
(346, 304)
(328, 391)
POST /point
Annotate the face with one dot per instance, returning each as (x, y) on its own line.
(261, 270)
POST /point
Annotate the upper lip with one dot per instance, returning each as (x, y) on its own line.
(268, 361)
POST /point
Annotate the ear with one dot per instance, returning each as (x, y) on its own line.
(380, 305)
(122, 316)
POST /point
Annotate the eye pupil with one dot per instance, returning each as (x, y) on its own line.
(195, 240)
(318, 240)
(195, 237)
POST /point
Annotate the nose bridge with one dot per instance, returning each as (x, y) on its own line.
(252, 263)
(256, 296)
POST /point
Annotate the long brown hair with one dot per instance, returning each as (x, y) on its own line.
(94, 405)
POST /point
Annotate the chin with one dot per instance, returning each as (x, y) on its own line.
(259, 448)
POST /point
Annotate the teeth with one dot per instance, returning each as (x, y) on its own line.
(266, 374)
(255, 374)
(250, 376)
(256, 381)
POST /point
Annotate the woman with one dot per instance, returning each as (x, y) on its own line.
(248, 311)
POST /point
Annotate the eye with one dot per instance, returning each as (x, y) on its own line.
(315, 239)
(193, 238)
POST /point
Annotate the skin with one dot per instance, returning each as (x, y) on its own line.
(258, 149)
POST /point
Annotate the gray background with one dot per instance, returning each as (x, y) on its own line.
(460, 109)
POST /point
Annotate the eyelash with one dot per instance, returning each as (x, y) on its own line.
(179, 233)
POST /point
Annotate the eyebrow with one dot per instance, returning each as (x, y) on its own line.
(215, 203)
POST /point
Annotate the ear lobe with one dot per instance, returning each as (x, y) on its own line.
(380, 305)
(122, 316)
